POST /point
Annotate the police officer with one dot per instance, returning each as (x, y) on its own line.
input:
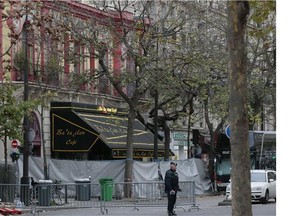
(171, 187)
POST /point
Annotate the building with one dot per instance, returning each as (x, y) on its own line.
(89, 132)
(60, 62)
(57, 59)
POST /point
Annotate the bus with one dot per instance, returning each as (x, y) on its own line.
(262, 155)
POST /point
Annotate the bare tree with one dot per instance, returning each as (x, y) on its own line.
(240, 156)
(261, 65)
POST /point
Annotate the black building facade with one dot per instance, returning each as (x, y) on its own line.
(90, 132)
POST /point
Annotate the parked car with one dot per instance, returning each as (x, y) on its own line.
(263, 186)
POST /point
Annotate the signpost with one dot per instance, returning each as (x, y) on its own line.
(227, 131)
(14, 143)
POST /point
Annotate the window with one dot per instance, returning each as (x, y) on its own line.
(76, 58)
(130, 69)
(271, 175)
(104, 87)
(224, 167)
(258, 177)
(52, 65)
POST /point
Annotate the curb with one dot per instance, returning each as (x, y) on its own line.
(49, 208)
(209, 194)
(225, 203)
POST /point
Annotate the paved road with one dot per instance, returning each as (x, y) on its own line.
(208, 207)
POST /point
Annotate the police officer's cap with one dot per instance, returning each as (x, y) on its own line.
(173, 163)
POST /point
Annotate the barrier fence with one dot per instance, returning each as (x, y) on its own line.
(105, 195)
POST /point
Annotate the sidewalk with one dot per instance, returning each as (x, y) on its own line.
(208, 207)
(113, 211)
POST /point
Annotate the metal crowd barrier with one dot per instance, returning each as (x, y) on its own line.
(10, 197)
(88, 195)
(149, 194)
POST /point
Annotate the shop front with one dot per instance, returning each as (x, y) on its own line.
(89, 132)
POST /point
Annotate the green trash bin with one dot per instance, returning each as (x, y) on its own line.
(106, 188)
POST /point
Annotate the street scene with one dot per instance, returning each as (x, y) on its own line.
(127, 107)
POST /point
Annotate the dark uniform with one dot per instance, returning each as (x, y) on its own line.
(171, 188)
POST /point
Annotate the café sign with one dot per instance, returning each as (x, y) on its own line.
(69, 135)
(137, 153)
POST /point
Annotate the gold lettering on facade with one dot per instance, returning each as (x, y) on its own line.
(137, 153)
(60, 132)
(71, 142)
(106, 110)
(69, 132)
(79, 133)
(71, 135)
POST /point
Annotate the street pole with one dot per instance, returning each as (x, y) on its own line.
(25, 180)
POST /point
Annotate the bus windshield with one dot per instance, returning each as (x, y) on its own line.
(223, 167)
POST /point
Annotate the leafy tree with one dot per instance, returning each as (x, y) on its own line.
(261, 64)
(12, 111)
(152, 55)
(138, 55)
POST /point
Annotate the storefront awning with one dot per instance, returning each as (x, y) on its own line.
(76, 128)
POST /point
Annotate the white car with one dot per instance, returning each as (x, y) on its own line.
(263, 186)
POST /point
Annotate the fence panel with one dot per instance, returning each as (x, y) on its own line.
(74, 195)
(133, 195)
(149, 194)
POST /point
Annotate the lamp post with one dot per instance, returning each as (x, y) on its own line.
(25, 180)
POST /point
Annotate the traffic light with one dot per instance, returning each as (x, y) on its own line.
(14, 156)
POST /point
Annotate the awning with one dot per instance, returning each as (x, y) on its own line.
(77, 128)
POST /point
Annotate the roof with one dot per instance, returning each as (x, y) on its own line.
(113, 130)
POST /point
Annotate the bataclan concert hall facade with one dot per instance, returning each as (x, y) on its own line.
(89, 132)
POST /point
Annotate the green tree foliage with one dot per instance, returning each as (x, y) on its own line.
(12, 111)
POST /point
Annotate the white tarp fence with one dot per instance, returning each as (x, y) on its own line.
(68, 170)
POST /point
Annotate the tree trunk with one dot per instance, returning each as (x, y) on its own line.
(129, 152)
(274, 112)
(189, 149)
(240, 159)
(155, 156)
(211, 165)
(166, 129)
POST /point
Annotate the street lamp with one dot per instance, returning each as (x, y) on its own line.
(25, 180)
